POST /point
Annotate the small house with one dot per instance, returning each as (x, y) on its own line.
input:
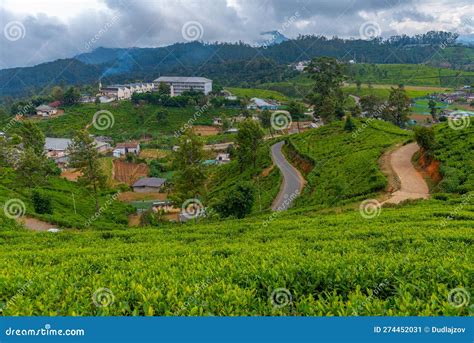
(149, 185)
(217, 122)
(45, 110)
(222, 158)
(122, 149)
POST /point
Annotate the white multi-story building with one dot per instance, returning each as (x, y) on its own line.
(180, 84)
(122, 92)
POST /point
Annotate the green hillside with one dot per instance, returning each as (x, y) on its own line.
(330, 263)
(345, 163)
(72, 205)
(129, 121)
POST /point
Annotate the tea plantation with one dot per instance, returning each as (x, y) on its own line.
(326, 264)
(345, 163)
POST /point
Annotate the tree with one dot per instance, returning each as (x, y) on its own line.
(266, 120)
(97, 101)
(237, 203)
(164, 89)
(425, 138)
(349, 124)
(358, 85)
(327, 95)
(371, 104)
(32, 169)
(32, 137)
(57, 93)
(84, 156)
(356, 111)
(71, 96)
(296, 111)
(41, 203)
(398, 107)
(432, 106)
(248, 140)
(188, 161)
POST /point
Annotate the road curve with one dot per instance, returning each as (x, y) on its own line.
(413, 186)
(293, 181)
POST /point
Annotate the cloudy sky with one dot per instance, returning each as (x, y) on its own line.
(36, 31)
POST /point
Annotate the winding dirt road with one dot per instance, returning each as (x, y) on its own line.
(412, 184)
(293, 181)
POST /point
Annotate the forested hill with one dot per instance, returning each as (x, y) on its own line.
(232, 64)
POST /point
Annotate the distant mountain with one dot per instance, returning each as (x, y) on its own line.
(235, 64)
(466, 39)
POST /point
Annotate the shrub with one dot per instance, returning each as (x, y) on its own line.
(238, 203)
(41, 203)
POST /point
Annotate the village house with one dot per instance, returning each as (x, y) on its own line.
(57, 149)
(257, 103)
(45, 110)
(217, 121)
(222, 158)
(149, 185)
(122, 149)
(125, 91)
(163, 205)
(118, 92)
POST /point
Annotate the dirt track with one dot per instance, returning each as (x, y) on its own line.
(412, 184)
(35, 224)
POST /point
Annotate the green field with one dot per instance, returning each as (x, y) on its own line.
(410, 74)
(330, 263)
(73, 205)
(130, 122)
(454, 149)
(345, 163)
(257, 93)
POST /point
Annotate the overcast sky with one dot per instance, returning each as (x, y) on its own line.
(36, 31)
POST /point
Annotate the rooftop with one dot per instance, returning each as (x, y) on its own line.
(181, 79)
(127, 145)
(56, 143)
(150, 182)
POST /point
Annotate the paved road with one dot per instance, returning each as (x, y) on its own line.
(293, 181)
(413, 186)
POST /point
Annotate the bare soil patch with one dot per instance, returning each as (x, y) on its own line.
(129, 173)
